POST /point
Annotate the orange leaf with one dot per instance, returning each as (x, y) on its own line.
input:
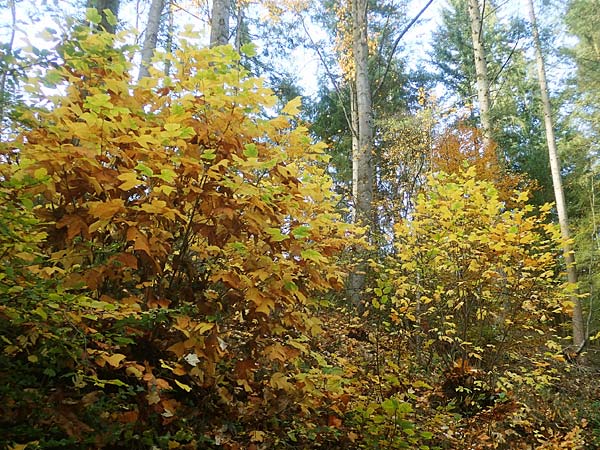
(106, 210)
(140, 241)
(334, 421)
(128, 417)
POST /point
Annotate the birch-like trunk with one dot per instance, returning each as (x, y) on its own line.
(151, 36)
(219, 23)
(483, 84)
(362, 138)
(559, 195)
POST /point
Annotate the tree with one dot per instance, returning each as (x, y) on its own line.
(583, 21)
(579, 337)
(201, 215)
(515, 106)
(151, 35)
(474, 284)
(219, 23)
(483, 83)
(362, 136)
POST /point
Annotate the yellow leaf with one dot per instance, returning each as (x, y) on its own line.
(114, 360)
(280, 381)
(185, 387)
(257, 436)
(293, 106)
(135, 371)
(106, 210)
(129, 181)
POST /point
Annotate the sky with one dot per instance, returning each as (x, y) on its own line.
(306, 64)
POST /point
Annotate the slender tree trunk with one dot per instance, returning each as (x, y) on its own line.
(170, 32)
(559, 195)
(151, 36)
(219, 23)
(483, 85)
(102, 6)
(362, 138)
(239, 27)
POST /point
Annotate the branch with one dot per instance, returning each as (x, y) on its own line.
(330, 75)
(508, 58)
(395, 46)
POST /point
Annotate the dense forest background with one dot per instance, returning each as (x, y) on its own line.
(299, 224)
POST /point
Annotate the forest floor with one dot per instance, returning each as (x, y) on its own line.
(426, 404)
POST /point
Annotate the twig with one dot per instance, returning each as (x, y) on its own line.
(395, 46)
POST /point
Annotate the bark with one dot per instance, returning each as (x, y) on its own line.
(170, 32)
(219, 23)
(151, 36)
(563, 219)
(362, 138)
(101, 6)
(238, 28)
(483, 84)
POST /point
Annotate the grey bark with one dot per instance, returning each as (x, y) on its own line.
(151, 36)
(563, 218)
(362, 138)
(483, 85)
(219, 23)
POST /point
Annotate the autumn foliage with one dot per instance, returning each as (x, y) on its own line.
(176, 231)
(462, 146)
(168, 253)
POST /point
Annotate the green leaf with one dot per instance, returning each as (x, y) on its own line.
(93, 16)
(390, 406)
(250, 151)
(40, 312)
(276, 234)
(301, 232)
(144, 169)
(209, 155)
(98, 101)
(248, 50)
(110, 17)
(312, 255)
(53, 77)
(167, 175)
(172, 126)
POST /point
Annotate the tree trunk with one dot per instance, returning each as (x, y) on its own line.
(483, 85)
(101, 6)
(170, 32)
(563, 219)
(154, 18)
(239, 27)
(219, 23)
(362, 138)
